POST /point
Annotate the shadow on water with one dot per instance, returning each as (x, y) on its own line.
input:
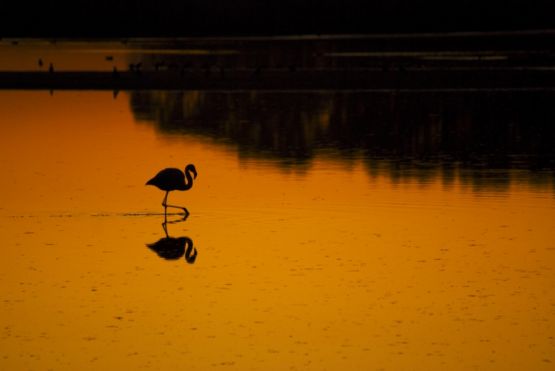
(418, 135)
(173, 248)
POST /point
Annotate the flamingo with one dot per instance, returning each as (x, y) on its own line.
(172, 179)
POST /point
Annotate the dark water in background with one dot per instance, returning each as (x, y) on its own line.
(408, 131)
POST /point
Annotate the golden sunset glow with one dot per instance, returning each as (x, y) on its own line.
(331, 265)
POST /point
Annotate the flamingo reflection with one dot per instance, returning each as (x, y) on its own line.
(173, 248)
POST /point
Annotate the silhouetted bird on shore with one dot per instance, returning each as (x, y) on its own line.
(207, 70)
(257, 72)
(51, 68)
(160, 66)
(172, 179)
(135, 67)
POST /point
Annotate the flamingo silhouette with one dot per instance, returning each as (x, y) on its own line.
(172, 179)
(173, 248)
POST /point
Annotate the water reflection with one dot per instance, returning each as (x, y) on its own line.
(173, 248)
(428, 272)
(421, 135)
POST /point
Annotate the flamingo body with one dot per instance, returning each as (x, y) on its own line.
(172, 179)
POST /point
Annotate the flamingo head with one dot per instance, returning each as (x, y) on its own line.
(192, 169)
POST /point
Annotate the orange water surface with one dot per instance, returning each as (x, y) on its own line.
(324, 266)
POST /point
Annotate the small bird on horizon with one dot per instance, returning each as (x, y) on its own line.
(172, 179)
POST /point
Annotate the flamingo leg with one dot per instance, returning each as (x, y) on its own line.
(180, 207)
(164, 225)
(165, 204)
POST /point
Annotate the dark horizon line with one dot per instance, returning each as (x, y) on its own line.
(310, 36)
(72, 34)
(282, 80)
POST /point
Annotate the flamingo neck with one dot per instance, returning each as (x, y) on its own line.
(188, 180)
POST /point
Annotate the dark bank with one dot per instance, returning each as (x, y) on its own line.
(520, 60)
(125, 18)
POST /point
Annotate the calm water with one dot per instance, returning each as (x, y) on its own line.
(332, 230)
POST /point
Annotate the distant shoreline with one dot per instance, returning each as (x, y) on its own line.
(338, 36)
(451, 61)
(282, 80)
